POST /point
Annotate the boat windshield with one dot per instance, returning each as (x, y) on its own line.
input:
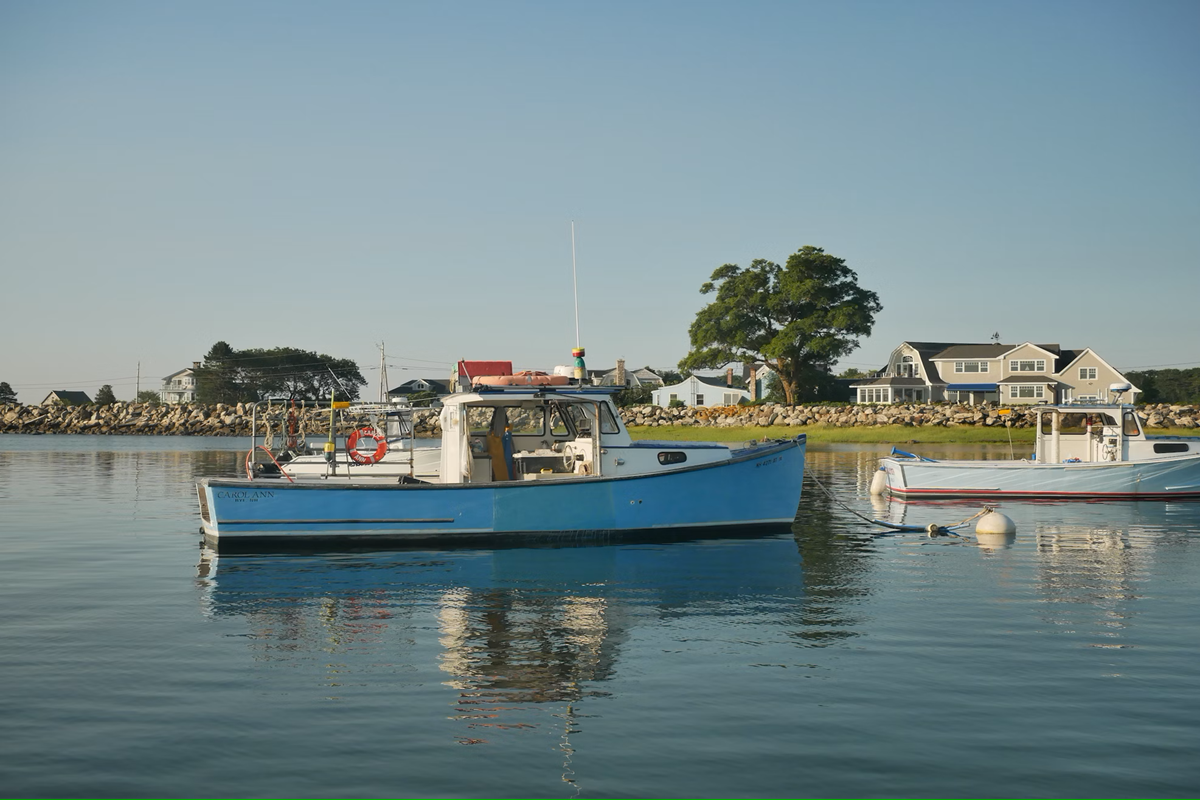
(581, 416)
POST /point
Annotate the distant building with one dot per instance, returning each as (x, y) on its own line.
(439, 387)
(1024, 374)
(695, 390)
(180, 387)
(62, 397)
(620, 376)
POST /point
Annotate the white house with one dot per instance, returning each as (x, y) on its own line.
(921, 372)
(180, 387)
(699, 391)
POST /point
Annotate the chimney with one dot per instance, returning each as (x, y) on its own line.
(729, 376)
(195, 365)
(620, 372)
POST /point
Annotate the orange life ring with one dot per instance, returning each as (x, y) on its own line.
(381, 446)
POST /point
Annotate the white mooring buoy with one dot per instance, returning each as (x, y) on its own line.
(879, 482)
(993, 522)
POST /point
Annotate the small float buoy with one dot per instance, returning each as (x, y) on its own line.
(879, 482)
(993, 522)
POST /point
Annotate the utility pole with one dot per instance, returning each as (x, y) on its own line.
(383, 379)
(137, 386)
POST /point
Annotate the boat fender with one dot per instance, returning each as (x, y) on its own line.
(381, 446)
(879, 482)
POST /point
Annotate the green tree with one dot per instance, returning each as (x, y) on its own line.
(800, 319)
(7, 395)
(148, 396)
(852, 373)
(299, 374)
(1167, 385)
(233, 376)
(105, 396)
(218, 380)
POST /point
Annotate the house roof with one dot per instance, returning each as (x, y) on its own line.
(974, 351)
(410, 386)
(67, 396)
(178, 372)
(714, 381)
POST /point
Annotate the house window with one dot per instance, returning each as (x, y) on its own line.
(1087, 373)
(1029, 365)
(878, 395)
(674, 397)
(970, 366)
(699, 399)
(1026, 390)
(907, 368)
(730, 399)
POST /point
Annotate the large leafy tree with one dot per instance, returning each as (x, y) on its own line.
(231, 376)
(298, 374)
(800, 319)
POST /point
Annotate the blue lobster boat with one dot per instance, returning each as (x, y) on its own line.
(519, 461)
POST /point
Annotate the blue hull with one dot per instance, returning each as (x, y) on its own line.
(760, 487)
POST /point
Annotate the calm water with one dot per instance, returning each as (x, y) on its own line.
(825, 661)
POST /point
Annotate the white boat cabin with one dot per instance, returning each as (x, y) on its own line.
(550, 432)
(1091, 433)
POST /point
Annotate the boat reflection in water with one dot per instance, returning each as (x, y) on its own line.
(520, 638)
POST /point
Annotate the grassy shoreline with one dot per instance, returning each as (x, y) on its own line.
(881, 434)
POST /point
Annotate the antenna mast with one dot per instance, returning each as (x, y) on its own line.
(575, 282)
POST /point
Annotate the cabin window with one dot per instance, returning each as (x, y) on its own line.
(608, 423)
(970, 366)
(1029, 365)
(581, 420)
(1027, 390)
(479, 418)
(558, 422)
(1087, 373)
(672, 457)
(526, 421)
(1068, 424)
(1130, 425)
(1159, 447)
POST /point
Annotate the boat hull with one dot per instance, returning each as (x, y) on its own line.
(1149, 479)
(758, 487)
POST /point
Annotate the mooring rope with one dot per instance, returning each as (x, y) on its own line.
(932, 529)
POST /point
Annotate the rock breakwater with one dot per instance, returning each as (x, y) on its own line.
(236, 420)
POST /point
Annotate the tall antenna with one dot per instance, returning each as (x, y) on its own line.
(575, 282)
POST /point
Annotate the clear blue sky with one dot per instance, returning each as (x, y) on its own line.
(332, 175)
